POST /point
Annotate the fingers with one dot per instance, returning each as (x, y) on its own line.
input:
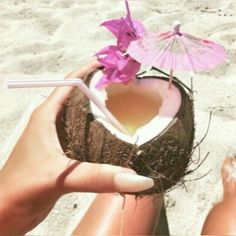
(56, 100)
(84, 71)
(90, 177)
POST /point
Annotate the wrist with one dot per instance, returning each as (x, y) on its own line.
(14, 212)
(6, 210)
(4, 196)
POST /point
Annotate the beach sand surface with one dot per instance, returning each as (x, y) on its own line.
(47, 39)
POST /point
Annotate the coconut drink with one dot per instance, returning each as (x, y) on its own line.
(157, 118)
(159, 122)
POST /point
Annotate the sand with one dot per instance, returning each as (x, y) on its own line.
(47, 39)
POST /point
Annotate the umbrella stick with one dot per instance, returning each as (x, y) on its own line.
(170, 78)
(71, 82)
(174, 78)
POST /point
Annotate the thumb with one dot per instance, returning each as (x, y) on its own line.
(101, 178)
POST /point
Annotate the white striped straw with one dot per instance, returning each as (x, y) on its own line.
(12, 84)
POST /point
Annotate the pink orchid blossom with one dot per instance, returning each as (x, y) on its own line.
(124, 32)
(125, 29)
(118, 68)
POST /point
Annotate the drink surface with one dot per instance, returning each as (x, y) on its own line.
(133, 109)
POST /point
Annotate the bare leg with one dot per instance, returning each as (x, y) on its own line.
(108, 216)
(221, 220)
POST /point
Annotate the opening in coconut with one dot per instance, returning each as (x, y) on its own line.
(144, 107)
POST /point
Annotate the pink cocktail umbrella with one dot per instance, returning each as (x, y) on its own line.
(175, 50)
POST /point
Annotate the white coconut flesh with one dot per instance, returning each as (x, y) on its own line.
(144, 107)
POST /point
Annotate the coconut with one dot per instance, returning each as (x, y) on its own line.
(159, 121)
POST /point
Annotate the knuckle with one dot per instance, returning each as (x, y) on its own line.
(70, 75)
(104, 177)
(99, 180)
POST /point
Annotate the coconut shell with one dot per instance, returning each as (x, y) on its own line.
(165, 158)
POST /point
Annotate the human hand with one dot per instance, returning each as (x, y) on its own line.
(38, 173)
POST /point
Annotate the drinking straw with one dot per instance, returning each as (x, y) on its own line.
(70, 82)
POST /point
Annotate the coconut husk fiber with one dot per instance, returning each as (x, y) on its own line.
(165, 158)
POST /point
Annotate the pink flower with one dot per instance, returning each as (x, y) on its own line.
(118, 68)
(125, 29)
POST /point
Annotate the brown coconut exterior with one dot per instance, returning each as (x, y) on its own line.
(164, 158)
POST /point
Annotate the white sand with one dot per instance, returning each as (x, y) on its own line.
(47, 39)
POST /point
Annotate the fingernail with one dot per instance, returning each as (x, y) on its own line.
(126, 182)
